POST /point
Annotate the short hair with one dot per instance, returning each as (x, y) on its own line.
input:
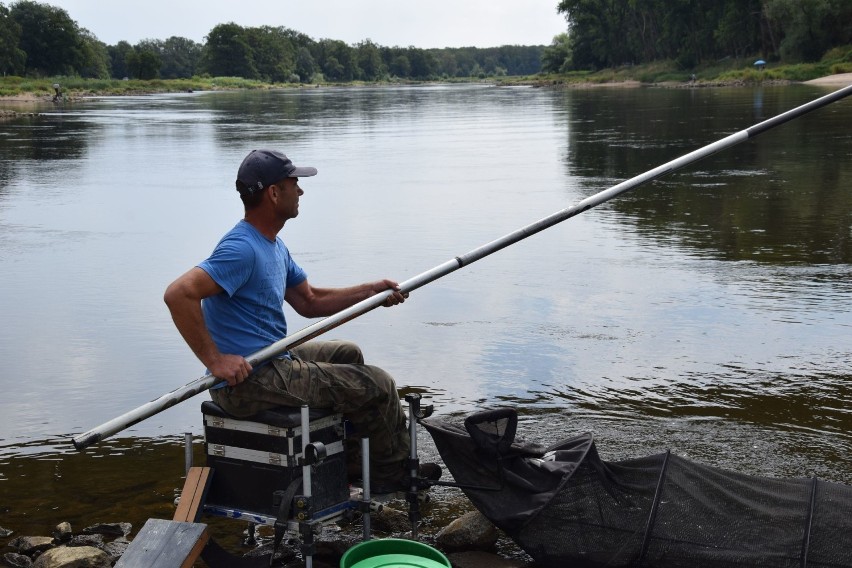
(251, 196)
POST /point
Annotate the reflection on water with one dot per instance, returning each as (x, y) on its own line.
(756, 201)
(706, 312)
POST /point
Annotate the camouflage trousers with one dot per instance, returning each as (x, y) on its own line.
(330, 374)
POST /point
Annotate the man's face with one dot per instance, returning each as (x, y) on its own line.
(286, 197)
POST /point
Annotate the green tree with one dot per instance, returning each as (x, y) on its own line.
(400, 66)
(810, 27)
(332, 69)
(12, 58)
(465, 62)
(446, 60)
(422, 63)
(118, 54)
(93, 57)
(305, 65)
(520, 59)
(607, 33)
(144, 61)
(738, 28)
(298, 39)
(489, 63)
(337, 60)
(227, 53)
(556, 57)
(49, 37)
(273, 52)
(180, 58)
(598, 31)
(369, 61)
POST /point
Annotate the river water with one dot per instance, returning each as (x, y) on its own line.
(706, 313)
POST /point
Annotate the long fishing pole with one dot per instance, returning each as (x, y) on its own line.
(276, 349)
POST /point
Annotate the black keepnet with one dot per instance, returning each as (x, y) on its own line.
(567, 508)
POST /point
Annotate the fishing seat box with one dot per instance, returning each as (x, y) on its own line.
(254, 457)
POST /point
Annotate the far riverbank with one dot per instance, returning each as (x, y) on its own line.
(27, 103)
(17, 91)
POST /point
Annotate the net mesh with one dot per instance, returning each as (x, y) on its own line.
(566, 507)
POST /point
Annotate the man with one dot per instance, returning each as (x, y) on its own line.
(231, 305)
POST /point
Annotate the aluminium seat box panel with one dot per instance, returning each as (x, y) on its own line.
(251, 459)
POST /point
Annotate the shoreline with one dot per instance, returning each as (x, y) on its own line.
(836, 80)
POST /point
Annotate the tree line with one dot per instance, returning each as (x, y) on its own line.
(611, 33)
(43, 40)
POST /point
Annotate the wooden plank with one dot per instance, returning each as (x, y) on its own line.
(193, 494)
(165, 544)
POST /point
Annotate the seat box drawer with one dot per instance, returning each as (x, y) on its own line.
(249, 486)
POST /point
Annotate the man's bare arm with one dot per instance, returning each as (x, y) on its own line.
(311, 302)
(183, 297)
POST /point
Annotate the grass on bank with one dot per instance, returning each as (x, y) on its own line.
(76, 86)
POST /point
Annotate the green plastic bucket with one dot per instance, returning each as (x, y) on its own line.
(393, 553)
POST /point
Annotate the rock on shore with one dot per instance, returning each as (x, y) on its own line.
(64, 549)
(73, 557)
(469, 542)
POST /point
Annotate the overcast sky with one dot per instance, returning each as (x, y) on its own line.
(432, 23)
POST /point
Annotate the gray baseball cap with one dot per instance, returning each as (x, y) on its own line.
(262, 168)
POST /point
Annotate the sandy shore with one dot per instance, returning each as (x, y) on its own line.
(27, 98)
(838, 80)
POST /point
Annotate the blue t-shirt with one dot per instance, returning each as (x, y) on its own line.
(255, 273)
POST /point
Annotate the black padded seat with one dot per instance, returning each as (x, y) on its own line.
(281, 417)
